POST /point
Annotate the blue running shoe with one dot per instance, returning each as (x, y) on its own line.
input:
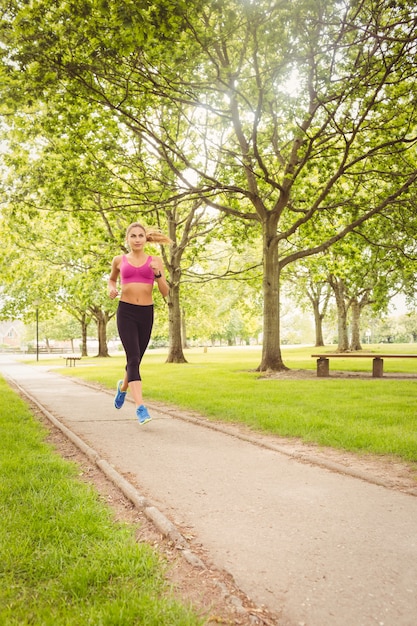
(120, 396)
(142, 414)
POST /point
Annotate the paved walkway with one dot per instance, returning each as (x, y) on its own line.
(315, 546)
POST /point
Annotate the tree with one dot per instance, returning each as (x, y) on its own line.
(409, 322)
(95, 172)
(52, 276)
(368, 269)
(308, 285)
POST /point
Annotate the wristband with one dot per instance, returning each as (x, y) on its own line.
(158, 275)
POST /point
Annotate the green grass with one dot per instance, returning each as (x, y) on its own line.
(63, 558)
(374, 415)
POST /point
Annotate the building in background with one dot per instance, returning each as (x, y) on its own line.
(11, 336)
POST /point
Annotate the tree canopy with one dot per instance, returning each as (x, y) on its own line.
(297, 120)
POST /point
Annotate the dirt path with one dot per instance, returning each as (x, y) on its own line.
(211, 587)
(211, 591)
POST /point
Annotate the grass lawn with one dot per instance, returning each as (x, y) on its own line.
(364, 415)
(63, 558)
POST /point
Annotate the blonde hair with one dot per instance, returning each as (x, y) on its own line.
(153, 235)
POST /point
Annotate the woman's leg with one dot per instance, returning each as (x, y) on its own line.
(127, 328)
(134, 324)
(135, 387)
(125, 383)
(145, 324)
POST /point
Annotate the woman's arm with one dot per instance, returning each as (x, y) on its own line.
(158, 269)
(114, 275)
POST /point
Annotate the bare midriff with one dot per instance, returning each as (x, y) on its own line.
(137, 293)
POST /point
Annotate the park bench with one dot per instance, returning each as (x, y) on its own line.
(377, 361)
(71, 360)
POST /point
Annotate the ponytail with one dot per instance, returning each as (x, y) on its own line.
(153, 235)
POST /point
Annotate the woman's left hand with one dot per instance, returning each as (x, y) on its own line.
(155, 267)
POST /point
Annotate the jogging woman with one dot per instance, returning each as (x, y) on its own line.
(138, 272)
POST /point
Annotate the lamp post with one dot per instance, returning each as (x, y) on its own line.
(36, 303)
(37, 333)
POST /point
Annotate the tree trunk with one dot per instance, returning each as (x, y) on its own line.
(318, 324)
(271, 348)
(175, 352)
(102, 319)
(84, 328)
(183, 330)
(355, 341)
(342, 312)
(315, 295)
(102, 334)
(343, 339)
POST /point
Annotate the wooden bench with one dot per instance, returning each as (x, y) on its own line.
(71, 360)
(377, 361)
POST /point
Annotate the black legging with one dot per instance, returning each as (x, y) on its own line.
(134, 323)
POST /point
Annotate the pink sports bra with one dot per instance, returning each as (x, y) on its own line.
(132, 274)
